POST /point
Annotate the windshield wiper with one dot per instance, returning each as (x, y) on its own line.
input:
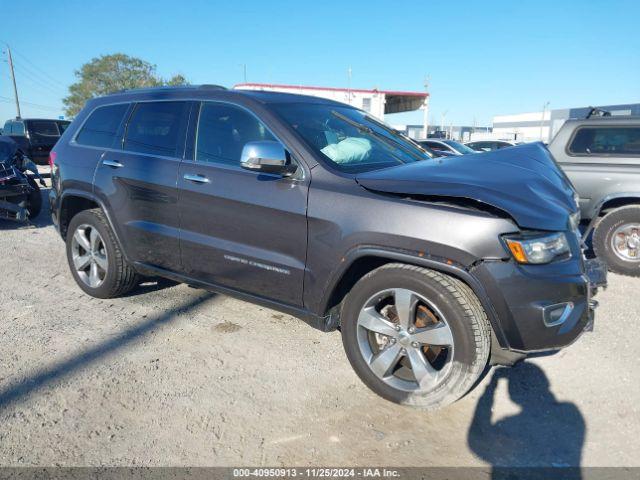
(370, 131)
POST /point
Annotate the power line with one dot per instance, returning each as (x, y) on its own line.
(28, 74)
(52, 79)
(31, 104)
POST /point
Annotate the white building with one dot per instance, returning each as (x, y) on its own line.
(376, 102)
(526, 127)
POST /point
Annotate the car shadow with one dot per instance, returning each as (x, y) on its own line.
(543, 440)
(58, 371)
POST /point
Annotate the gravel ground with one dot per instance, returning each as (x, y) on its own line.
(176, 376)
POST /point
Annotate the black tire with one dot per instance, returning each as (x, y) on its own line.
(459, 305)
(603, 236)
(34, 200)
(120, 277)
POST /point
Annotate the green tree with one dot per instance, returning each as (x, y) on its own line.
(110, 73)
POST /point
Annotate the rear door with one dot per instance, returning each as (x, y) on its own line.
(137, 181)
(239, 228)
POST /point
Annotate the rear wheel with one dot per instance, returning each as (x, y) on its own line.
(95, 259)
(616, 240)
(415, 336)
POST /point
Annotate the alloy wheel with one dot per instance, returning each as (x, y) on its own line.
(89, 255)
(405, 340)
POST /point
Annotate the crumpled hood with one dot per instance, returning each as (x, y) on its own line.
(524, 181)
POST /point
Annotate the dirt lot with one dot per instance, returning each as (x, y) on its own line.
(176, 376)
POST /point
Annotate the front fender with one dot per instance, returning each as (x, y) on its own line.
(446, 266)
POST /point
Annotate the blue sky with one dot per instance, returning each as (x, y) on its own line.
(483, 57)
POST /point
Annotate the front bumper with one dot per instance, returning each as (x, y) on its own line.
(541, 308)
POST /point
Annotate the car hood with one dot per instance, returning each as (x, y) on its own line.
(524, 181)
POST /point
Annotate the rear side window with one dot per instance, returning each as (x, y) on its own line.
(614, 141)
(102, 125)
(62, 126)
(156, 128)
(223, 131)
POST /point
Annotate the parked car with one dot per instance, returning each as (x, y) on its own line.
(489, 145)
(429, 268)
(601, 156)
(35, 136)
(450, 146)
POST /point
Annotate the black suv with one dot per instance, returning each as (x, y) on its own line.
(35, 136)
(427, 266)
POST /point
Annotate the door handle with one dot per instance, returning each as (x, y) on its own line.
(196, 178)
(112, 163)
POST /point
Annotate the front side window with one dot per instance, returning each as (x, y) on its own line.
(349, 139)
(17, 128)
(156, 128)
(614, 141)
(224, 130)
(102, 125)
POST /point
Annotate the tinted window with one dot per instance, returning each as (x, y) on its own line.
(436, 146)
(102, 125)
(223, 130)
(44, 127)
(7, 128)
(17, 128)
(617, 141)
(62, 126)
(156, 128)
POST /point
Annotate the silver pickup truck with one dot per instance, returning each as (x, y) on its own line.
(601, 156)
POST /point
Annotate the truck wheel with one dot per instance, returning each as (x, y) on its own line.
(415, 336)
(95, 259)
(616, 240)
(34, 201)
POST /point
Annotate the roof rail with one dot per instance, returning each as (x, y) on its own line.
(172, 87)
(597, 112)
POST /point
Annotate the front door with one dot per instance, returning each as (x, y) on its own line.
(238, 228)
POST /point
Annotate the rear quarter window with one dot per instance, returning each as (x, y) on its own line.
(101, 127)
(607, 141)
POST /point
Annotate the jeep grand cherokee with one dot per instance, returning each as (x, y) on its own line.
(430, 268)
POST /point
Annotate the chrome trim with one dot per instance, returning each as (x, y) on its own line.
(568, 308)
(196, 178)
(112, 163)
(73, 142)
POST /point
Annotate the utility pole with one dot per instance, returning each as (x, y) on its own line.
(425, 119)
(349, 85)
(544, 110)
(13, 78)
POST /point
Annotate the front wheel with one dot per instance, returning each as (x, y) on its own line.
(616, 240)
(415, 336)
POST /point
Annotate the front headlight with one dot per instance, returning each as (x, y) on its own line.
(537, 249)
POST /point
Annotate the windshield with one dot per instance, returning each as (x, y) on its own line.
(349, 139)
(459, 147)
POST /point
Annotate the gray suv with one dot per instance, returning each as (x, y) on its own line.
(430, 268)
(601, 156)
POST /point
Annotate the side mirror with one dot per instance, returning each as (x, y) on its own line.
(266, 156)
